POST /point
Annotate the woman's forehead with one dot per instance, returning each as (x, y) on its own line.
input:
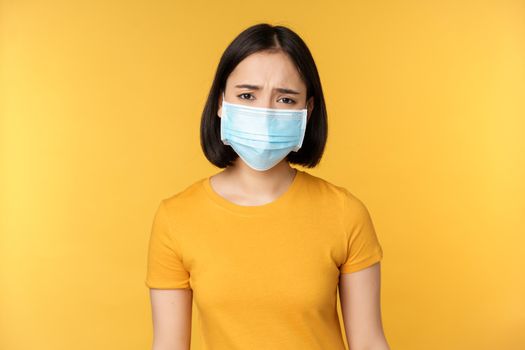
(267, 70)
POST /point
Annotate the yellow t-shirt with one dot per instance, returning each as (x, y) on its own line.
(266, 276)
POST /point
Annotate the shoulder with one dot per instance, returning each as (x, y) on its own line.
(187, 197)
(330, 189)
(336, 193)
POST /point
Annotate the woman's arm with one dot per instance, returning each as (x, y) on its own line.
(171, 314)
(359, 293)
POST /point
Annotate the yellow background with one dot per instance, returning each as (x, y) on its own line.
(100, 112)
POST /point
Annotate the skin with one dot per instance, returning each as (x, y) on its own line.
(171, 316)
(243, 185)
(359, 293)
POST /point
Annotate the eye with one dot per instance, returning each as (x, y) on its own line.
(243, 95)
(289, 99)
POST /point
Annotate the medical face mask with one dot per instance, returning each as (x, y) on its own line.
(262, 137)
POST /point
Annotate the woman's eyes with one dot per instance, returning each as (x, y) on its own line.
(244, 94)
(284, 98)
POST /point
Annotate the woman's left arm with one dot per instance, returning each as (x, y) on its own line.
(359, 293)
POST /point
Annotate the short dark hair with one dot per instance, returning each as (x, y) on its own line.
(265, 37)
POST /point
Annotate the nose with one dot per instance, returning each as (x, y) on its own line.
(267, 101)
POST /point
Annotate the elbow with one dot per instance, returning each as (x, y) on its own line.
(159, 345)
(373, 347)
(378, 344)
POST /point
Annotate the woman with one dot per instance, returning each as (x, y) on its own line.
(261, 246)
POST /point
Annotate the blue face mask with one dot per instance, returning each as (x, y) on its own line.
(262, 137)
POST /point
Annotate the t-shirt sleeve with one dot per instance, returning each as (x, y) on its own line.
(164, 263)
(363, 247)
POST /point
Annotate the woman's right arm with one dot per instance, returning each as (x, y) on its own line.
(171, 315)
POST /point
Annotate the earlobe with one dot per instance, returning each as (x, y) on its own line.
(219, 110)
(310, 107)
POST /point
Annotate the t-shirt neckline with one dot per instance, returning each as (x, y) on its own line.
(276, 204)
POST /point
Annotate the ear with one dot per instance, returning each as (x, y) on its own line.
(219, 111)
(310, 106)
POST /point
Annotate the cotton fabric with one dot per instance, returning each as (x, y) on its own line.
(265, 276)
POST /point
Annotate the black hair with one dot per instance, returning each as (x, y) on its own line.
(265, 37)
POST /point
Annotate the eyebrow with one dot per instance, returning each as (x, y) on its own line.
(257, 87)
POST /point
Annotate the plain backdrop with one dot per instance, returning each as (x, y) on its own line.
(100, 106)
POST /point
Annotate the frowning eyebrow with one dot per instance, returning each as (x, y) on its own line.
(257, 87)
